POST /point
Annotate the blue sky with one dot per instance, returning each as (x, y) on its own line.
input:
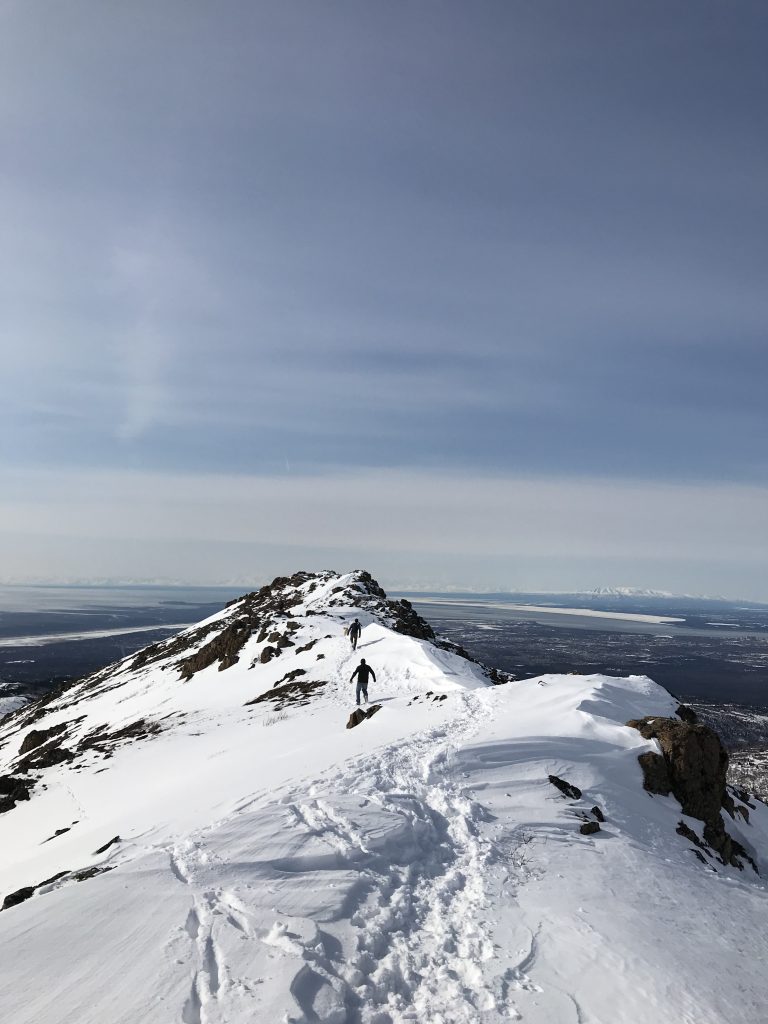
(268, 253)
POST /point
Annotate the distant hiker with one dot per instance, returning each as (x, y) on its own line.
(363, 672)
(354, 633)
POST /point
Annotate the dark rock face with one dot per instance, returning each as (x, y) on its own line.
(104, 742)
(655, 774)
(224, 648)
(290, 676)
(45, 757)
(598, 813)
(13, 899)
(692, 766)
(36, 737)
(696, 763)
(572, 792)
(268, 654)
(687, 714)
(361, 714)
(589, 828)
(13, 791)
(106, 846)
(294, 694)
(687, 833)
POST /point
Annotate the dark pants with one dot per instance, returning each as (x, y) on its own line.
(354, 638)
(362, 688)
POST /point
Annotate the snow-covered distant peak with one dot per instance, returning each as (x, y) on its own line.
(195, 834)
(628, 592)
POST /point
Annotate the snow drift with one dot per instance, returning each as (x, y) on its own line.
(194, 835)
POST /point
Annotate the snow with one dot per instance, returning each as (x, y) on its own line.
(550, 610)
(41, 639)
(275, 866)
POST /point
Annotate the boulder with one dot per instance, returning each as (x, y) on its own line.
(692, 766)
(268, 654)
(597, 813)
(589, 828)
(360, 714)
(696, 763)
(572, 792)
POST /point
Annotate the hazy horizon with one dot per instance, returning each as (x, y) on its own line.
(466, 294)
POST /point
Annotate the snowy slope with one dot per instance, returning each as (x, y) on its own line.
(273, 865)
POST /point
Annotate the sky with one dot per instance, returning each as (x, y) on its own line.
(470, 295)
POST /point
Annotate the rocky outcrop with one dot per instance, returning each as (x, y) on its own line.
(294, 694)
(105, 741)
(692, 767)
(13, 899)
(589, 828)
(695, 761)
(36, 737)
(572, 792)
(12, 791)
(224, 648)
(361, 714)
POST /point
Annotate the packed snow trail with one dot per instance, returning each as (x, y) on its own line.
(427, 897)
(400, 821)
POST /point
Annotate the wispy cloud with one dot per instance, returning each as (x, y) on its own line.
(508, 242)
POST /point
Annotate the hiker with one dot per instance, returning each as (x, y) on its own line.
(363, 672)
(354, 633)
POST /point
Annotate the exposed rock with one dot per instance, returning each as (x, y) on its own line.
(290, 676)
(13, 899)
(408, 621)
(597, 813)
(361, 714)
(104, 742)
(693, 767)
(295, 694)
(572, 792)
(36, 737)
(655, 774)
(98, 869)
(687, 714)
(268, 654)
(13, 791)
(45, 757)
(306, 647)
(224, 648)
(106, 846)
(696, 763)
(728, 848)
(172, 646)
(687, 833)
(589, 828)
(57, 833)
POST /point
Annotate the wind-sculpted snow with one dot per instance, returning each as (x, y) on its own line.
(221, 849)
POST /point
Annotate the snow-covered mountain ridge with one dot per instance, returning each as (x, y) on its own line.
(194, 835)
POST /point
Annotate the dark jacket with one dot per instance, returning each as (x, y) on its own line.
(363, 672)
(355, 629)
